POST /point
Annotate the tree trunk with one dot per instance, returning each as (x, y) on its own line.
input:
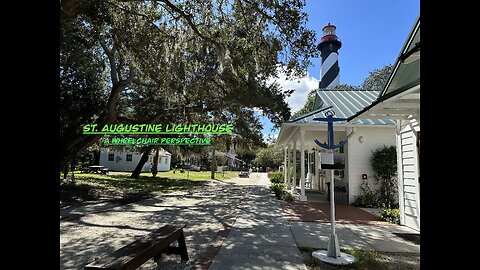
(214, 163)
(155, 163)
(65, 171)
(143, 160)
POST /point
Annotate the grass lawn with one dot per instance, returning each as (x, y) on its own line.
(365, 260)
(193, 175)
(118, 185)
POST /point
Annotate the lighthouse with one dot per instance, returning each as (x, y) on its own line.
(329, 45)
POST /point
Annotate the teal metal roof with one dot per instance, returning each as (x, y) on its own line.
(345, 103)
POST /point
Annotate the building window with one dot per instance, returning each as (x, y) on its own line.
(128, 158)
(166, 160)
(111, 156)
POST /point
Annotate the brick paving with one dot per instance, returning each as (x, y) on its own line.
(320, 212)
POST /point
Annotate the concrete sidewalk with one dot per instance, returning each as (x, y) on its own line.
(265, 237)
(260, 237)
(358, 236)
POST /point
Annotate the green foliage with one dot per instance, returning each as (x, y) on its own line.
(289, 197)
(366, 259)
(269, 157)
(384, 163)
(137, 61)
(391, 215)
(311, 261)
(276, 177)
(377, 78)
(367, 197)
(278, 189)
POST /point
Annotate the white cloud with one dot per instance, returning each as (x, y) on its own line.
(301, 86)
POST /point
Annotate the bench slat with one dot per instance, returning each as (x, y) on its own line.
(138, 252)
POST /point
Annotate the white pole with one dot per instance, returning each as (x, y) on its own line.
(332, 200)
(294, 164)
(285, 149)
(302, 166)
(333, 247)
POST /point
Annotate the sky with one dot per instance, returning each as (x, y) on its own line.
(372, 34)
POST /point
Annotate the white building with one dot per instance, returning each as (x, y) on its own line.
(126, 161)
(400, 100)
(368, 135)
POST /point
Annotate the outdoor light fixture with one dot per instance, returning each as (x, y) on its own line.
(361, 139)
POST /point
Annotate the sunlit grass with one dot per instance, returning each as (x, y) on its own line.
(91, 186)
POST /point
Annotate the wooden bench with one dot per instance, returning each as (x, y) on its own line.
(243, 174)
(137, 253)
(85, 170)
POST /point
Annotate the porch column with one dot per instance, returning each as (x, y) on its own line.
(309, 169)
(401, 201)
(302, 166)
(294, 164)
(285, 167)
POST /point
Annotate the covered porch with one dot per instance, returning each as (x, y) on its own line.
(298, 140)
(304, 176)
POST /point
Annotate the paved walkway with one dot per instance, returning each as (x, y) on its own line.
(265, 237)
(261, 237)
(235, 224)
(88, 231)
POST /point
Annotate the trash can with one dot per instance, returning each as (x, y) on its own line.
(340, 193)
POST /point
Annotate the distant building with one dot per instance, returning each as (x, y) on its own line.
(127, 161)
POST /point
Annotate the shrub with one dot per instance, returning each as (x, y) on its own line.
(288, 197)
(279, 189)
(391, 215)
(367, 197)
(276, 177)
(384, 163)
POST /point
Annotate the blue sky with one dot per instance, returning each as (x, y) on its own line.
(372, 33)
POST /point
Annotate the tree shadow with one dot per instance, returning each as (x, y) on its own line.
(99, 234)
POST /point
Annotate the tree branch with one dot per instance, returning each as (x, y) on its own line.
(271, 18)
(145, 17)
(111, 59)
(189, 18)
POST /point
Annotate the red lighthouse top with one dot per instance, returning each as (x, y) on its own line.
(329, 33)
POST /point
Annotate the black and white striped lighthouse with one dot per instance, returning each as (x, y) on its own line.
(329, 45)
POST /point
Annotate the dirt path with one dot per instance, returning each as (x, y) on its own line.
(204, 209)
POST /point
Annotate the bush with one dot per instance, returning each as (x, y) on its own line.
(384, 163)
(367, 197)
(391, 215)
(288, 197)
(276, 177)
(279, 189)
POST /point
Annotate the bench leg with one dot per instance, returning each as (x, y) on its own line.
(183, 247)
